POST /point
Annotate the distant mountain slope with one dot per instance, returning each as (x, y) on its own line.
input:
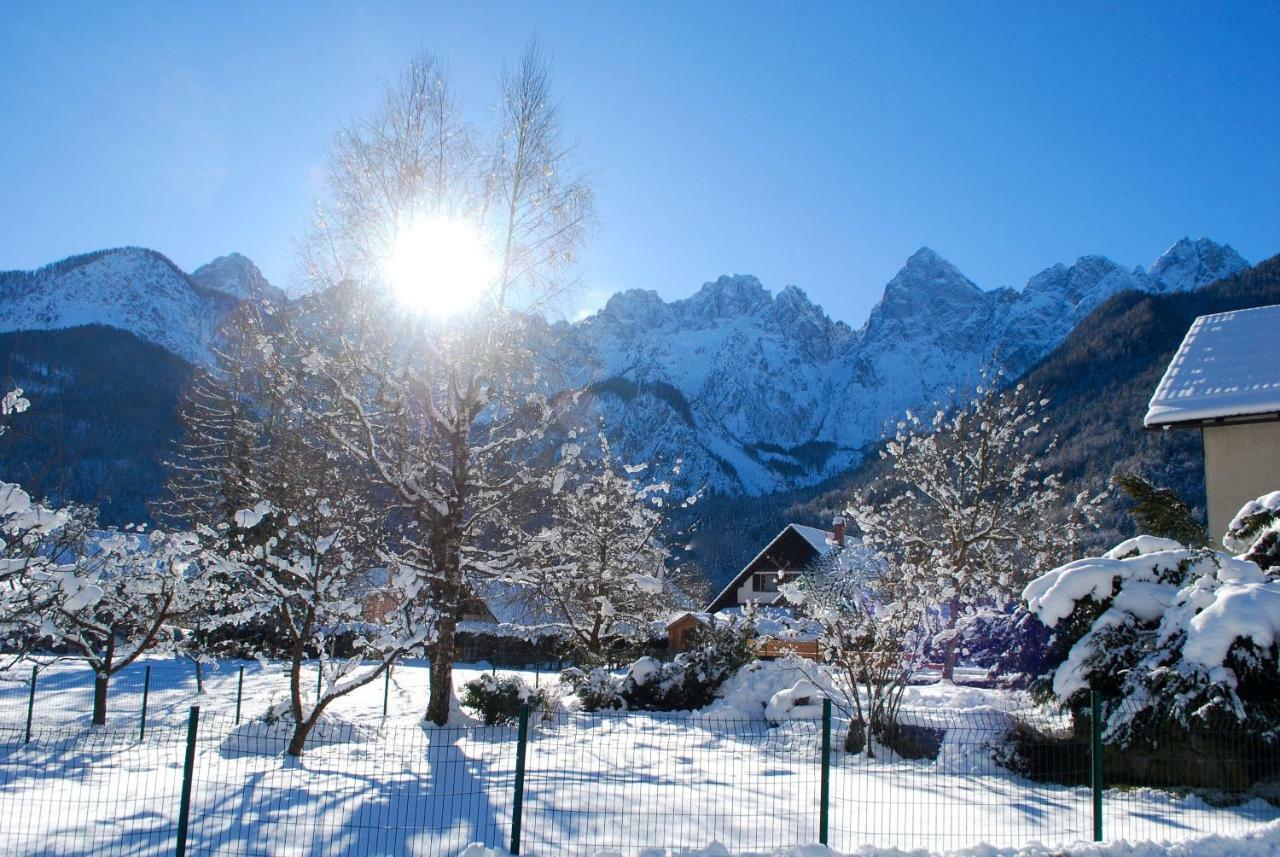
(1102, 376)
(103, 344)
(760, 393)
(1098, 382)
(755, 393)
(103, 414)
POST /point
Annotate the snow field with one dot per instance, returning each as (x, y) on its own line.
(616, 782)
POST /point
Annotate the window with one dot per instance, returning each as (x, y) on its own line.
(768, 581)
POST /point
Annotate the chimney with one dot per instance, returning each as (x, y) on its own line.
(837, 530)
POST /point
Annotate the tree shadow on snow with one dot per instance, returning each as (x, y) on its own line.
(430, 799)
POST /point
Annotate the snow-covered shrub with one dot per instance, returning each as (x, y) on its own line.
(498, 699)
(1254, 532)
(689, 681)
(1171, 636)
(872, 636)
(801, 701)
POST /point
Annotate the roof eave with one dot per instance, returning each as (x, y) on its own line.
(1209, 422)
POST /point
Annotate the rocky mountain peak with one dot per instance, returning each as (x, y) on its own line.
(925, 287)
(727, 297)
(640, 307)
(1190, 264)
(132, 289)
(926, 271)
(234, 275)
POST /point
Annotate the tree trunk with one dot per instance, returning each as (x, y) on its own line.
(100, 683)
(949, 658)
(101, 679)
(301, 729)
(856, 738)
(441, 675)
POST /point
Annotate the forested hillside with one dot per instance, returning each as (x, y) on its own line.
(103, 415)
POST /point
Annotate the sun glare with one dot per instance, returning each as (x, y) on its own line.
(440, 266)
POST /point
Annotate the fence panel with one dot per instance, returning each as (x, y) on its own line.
(625, 782)
(355, 791)
(950, 779)
(1217, 778)
(619, 781)
(83, 791)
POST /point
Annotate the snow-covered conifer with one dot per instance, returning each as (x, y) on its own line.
(1164, 630)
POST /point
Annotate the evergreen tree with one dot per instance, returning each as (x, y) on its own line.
(1159, 511)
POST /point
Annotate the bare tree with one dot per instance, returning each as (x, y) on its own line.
(296, 527)
(437, 411)
(545, 209)
(966, 513)
(872, 637)
(114, 599)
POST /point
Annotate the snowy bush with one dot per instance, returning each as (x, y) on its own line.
(498, 699)
(597, 689)
(1255, 531)
(687, 682)
(801, 701)
(1170, 635)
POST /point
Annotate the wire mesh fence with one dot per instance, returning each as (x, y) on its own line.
(89, 791)
(624, 782)
(947, 779)
(164, 688)
(621, 781)
(391, 790)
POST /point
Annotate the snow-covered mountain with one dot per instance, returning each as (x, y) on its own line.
(754, 392)
(131, 289)
(759, 393)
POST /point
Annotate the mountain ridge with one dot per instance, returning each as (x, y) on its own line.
(766, 375)
(755, 392)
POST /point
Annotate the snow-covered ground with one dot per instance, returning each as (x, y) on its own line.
(621, 782)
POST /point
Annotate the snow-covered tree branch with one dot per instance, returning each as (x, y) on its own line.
(1164, 630)
(965, 512)
(598, 560)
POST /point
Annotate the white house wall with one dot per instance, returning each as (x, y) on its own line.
(1241, 463)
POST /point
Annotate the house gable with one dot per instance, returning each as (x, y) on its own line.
(791, 552)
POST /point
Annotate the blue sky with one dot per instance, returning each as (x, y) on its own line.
(806, 143)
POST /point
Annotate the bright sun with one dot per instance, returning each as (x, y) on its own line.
(440, 265)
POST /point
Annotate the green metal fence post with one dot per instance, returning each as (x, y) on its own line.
(386, 691)
(31, 702)
(188, 772)
(319, 679)
(146, 692)
(824, 811)
(1095, 759)
(239, 692)
(517, 808)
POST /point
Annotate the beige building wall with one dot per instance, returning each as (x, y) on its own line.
(1241, 463)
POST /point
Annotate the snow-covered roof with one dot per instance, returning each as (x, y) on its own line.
(820, 539)
(1227, 366)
